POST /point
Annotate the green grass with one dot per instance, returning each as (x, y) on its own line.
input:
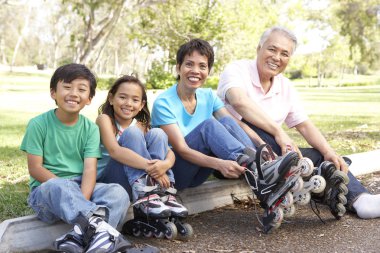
(349, 117)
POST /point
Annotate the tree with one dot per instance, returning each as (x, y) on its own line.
(360, 22)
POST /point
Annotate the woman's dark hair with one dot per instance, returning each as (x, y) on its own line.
(143, 116)
(199, 45)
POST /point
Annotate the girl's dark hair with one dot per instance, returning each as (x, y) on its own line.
(69, 72)
(202, 46)
(143, 116)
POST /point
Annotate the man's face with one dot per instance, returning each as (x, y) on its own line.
(274, 55)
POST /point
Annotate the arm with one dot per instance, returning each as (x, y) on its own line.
(157, 168)
(252, 113)
(229, 169)
(251, 134)
(315, 138)
(117, 152)
(89, 177)
(36, 170)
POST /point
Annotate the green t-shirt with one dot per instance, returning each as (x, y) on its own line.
(62, 147)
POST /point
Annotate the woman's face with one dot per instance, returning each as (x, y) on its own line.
(194, 70)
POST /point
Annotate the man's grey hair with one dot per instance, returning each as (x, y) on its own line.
(289, 34)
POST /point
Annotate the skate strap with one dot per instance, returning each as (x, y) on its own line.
(171, 190)
(148, 188)
(263, 151)
(168, 197)
(147, 198)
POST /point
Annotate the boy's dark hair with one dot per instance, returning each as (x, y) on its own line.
(69, 72)
(143, 116)
(202, 46)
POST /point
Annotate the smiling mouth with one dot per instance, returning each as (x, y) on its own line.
(72, 102)
(273, 66)
(194, 79)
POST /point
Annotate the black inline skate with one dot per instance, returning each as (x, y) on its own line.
(336, 190)
(158, 214)
(271, 178)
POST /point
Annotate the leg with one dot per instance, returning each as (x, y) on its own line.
(236, 131)
(114, 199)
(114, 173)
(60, 199)
(210, 138)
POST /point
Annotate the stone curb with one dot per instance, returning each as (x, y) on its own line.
(28, 234)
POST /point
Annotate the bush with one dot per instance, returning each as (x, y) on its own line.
(105, 83)
(212, 82)
(158, 78)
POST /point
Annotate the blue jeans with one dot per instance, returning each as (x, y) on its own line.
(62, 199)
(224, 139)
(152, 145)
(355, 188)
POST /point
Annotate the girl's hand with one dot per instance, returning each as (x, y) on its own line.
(156, 168)
(163, 181)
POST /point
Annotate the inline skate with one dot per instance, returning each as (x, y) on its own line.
(311, 183)
(334, 195)
(158, 214)
(271, 179)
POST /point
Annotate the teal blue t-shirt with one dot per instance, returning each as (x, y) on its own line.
(63, 148)
(168, 109)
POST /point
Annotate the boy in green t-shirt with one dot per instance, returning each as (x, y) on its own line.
(62, 149)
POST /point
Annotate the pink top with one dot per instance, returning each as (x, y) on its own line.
(281, 103)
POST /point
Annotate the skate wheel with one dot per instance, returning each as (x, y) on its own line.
(289, 211)
(159, 235)
(298, 185)
(319, 184)
(148, 234)
(276, 225)
(341, 210)
(288, 200)
(342, 199)
(306, 165)
(343, 178)
(136, 232)
(303, 199)
(186, 233)
(279, 215)
(171, 231)
(343, 189)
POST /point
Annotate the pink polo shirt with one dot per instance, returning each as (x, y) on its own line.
(281, 103)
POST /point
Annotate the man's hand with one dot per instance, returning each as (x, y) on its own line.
(230, 169)
(338, 161)
(286, 144)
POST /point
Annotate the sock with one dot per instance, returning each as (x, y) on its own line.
(367, 206)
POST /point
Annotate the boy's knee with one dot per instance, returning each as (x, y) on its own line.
(120, 194)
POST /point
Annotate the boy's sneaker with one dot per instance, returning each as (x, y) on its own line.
(105, 238)
(336, 188)
(176, 209)
(69, 243)
(152, 206)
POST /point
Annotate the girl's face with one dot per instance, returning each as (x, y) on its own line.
(127, 102)
(194, 70)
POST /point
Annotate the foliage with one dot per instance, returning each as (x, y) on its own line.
(104, 83)
(360, 23)
(158, 78)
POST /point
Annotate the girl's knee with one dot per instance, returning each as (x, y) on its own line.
(132, 133)
(157, 134)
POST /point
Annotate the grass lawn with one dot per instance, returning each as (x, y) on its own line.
(349, 117)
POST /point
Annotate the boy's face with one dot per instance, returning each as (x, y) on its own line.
(72, 97)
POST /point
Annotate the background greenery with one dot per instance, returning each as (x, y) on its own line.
(349, 117)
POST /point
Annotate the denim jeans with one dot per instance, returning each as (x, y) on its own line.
(152, 145)
(224, 139)
(62, 199)
(355, 188)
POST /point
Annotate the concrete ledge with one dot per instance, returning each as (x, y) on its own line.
(365, 163)
(28, 234)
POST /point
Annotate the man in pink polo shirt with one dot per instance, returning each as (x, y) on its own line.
(256, 92)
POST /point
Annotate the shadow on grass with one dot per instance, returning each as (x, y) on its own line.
(13, 200)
